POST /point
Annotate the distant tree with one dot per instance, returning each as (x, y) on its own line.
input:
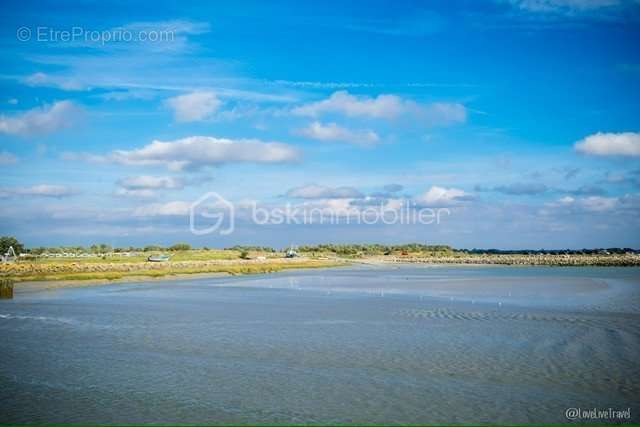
(152, 248)
(180, 247)
(104, 248)
(244, 255)
(7, 241)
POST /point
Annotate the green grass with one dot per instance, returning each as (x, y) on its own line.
(233, 269)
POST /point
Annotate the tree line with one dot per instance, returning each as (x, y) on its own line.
(338, 249)
(377, 249)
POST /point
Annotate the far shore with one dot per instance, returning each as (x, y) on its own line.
(552, 260)
(69, 275)
(53, 274)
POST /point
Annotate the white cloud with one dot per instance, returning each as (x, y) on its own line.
(7, 158)
(46, 80)
(384, 106)
(42, 190)
(40, 121)
(12, 101)
(626, 144)
(440, 196)
(333, 132)
(588, 204)
(332, 207)
(567, 200)
(321, 192)
(195, 106)
(144, 186)
(195, 152)
(175, 208)
(151, 183)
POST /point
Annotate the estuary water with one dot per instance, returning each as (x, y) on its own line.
(428, 345)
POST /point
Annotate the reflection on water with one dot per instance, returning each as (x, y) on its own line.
(401, 345)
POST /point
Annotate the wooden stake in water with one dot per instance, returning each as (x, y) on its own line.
(6, 289)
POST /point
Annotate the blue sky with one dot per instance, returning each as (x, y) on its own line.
(519, 117)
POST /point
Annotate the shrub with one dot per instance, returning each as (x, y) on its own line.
(180, 247)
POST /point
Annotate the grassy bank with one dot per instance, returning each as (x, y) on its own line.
(50, 271)
(189, 262)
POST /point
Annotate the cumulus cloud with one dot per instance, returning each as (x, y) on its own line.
(337, 207)
(440, 196)
(144, 186)
(384, 106)
(41, 121)
(195, 106)
(196, 152)
(42, 190)
(7, 158)
(321, 192)
(333, 132)
(625, 144)
(175, 208)
(151, 183)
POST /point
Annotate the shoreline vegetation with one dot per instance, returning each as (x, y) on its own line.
(84, 270)
(103, 264)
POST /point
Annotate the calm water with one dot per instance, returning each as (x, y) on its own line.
(362, 345)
